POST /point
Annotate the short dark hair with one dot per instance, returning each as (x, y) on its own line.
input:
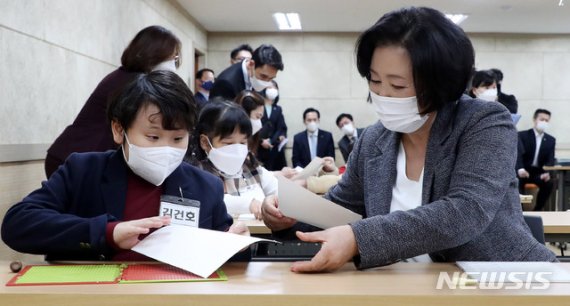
(310, 110)
(249, 100)
(482, 78)
(442, 55)
(498, 74)
(242, 47)
(267, 55)
(541, 111)
(200, 72)
(151, 46)
(166, 90)
(343, 115)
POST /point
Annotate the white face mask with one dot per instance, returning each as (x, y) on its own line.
(154, 164)
(348, 129)
(488, 95)
(255, 125)
(398, 114)
(312, 126)
(228, 159)
(271, 93)
(541, 126)
(259, 85)
(169, 65)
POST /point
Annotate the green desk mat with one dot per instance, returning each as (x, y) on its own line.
(73, 274)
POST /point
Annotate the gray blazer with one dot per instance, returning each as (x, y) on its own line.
(470, 203)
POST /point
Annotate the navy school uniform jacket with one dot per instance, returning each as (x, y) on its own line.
(66, 218)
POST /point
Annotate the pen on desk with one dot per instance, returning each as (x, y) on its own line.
(16, 266)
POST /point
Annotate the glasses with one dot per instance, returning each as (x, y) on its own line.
(177, 60)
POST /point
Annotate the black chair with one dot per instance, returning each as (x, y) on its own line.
(536, 227)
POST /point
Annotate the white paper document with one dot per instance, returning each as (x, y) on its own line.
(282, 144)
(490, 271)
(311, 169)
(305, 206)
(193, 249)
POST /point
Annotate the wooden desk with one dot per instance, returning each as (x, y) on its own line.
(556, 224)
(262, 283)
(561, 172)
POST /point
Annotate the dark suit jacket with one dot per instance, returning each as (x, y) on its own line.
(302, 153)
(273, 128)
(67, 217)
(229, 83)
(91, 130)
(527, 147)
(200, 100)
(344, 145)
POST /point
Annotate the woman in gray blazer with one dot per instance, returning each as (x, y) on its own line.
(435, 175)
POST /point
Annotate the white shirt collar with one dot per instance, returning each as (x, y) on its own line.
(246, 77)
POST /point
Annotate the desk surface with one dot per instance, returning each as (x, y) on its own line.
(263, 283)
(554, 222)
(255, 226)
(553, 168)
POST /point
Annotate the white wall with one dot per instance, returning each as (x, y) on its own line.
(320, 71)
(53, 54)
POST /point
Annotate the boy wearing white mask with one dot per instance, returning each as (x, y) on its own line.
(536, 150)
(312, 142)
(346, 143)
(220, 147)
(251, 74)
(96, 205)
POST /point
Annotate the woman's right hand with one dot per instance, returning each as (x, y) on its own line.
(272, 216)
(126, 234)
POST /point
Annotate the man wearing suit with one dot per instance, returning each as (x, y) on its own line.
(351, 134)
(536, 150)
(204, 83)
(255, 74)
(312, 142)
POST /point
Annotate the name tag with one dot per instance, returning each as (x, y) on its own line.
(181, 211)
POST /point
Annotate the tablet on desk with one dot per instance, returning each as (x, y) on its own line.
(285, 251)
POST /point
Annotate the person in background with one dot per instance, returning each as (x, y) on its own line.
(204, 82)
(153, 48)
(274, 131)
(240, 53)
(509, 101)
(536, 150)
(346, 143)
(252, 103)
(435, 174)
(219, 146)
(311, 142)
(97, 205)
(484, 86)
(254, 74)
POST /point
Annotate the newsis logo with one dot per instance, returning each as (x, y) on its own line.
(493, 280)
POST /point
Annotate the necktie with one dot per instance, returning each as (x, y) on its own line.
(313, 145)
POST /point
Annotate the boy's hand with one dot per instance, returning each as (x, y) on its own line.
(126, 234)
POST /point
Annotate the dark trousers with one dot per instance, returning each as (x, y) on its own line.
(545, 188)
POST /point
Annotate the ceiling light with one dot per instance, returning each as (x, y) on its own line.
(561, 3)
(288, 21)
(456, 18)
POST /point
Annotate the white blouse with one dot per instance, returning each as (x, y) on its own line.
(407, 194)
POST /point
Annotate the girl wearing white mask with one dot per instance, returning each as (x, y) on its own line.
(97, 204)
(433, 179)
(484, 86)
(220, 147)
(252, 104)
